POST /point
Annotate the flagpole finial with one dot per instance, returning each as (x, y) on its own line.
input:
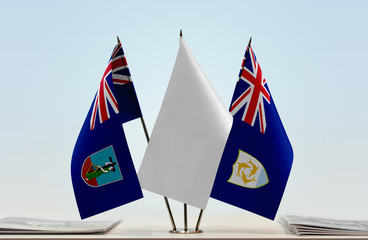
(181, 33)
(250, 41)
(118, 39)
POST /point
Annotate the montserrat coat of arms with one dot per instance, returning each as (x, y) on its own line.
(248, 172)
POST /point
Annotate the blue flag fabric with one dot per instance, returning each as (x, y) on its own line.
(258, 156)
(102, 170)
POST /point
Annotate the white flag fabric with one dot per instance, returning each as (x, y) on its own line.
(188, 138)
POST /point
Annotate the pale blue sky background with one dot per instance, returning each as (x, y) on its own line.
(313, 55)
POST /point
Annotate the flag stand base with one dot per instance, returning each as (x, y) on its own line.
(182, 231)
(186, 230)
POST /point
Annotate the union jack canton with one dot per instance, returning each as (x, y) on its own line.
(117, 70)
(251, 86)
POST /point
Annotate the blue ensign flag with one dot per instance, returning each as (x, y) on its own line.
(102, 169)
(258, 156)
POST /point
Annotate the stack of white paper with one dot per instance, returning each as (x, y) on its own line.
(322, 226)
(43, 226)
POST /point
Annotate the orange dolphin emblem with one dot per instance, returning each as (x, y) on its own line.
(254, 168)
(246, 180)
(248, 172)
(240, 166)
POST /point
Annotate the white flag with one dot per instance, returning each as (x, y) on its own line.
(188, 138)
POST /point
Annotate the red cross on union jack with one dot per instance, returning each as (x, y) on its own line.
(103, 97)
(118, 64)
(253, 96)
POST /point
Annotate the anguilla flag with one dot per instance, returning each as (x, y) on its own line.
(258, 156)
(102, 169)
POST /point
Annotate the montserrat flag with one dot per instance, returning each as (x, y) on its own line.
(102, 169)
(258, 156)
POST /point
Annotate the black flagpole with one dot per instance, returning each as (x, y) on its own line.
(185, 205)
(199, 220)
(165, 198)
(147, 138)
